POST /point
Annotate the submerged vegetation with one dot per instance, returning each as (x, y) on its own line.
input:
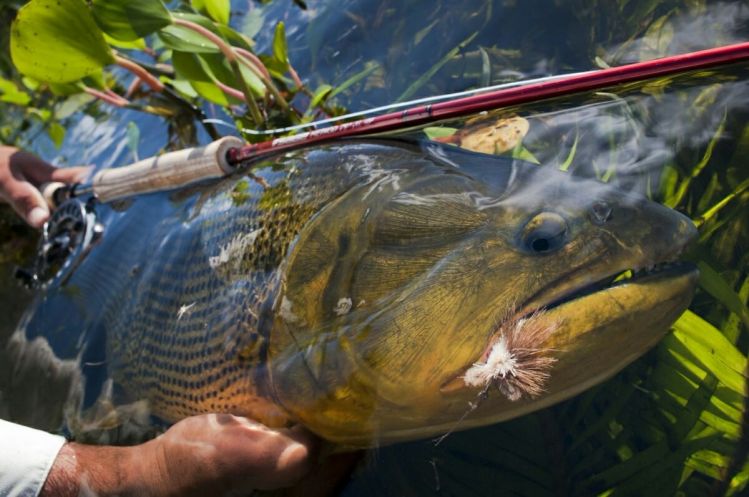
(675, 422)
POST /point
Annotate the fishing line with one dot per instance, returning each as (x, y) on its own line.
(391, 107)
(525, 93)
(176, 169)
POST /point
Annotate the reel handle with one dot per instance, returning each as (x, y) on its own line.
(54, 193)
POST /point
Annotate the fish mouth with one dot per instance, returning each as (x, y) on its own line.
(550, 323)
(628, 276)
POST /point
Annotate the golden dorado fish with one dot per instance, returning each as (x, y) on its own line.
(373, 291)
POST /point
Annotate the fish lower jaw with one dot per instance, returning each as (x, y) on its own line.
(519, 356)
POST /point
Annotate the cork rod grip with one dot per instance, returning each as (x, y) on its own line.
(165, 172)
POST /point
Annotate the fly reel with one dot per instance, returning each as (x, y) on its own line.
(67, 237)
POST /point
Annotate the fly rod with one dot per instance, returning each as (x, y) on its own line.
(175, 169)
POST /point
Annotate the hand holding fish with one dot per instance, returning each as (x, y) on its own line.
(21, 173)
(212, 454)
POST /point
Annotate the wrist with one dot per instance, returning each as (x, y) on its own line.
(81, 469)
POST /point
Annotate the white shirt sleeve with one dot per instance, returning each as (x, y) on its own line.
(26, 456)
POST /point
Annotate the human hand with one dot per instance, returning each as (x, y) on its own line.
(21, 173)
(211, 454)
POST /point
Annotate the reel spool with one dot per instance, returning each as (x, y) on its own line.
(67, 237)
(73, 230)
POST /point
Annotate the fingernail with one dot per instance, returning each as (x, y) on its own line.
(37, 216)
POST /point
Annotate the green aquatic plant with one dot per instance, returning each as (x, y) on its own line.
(68, 46)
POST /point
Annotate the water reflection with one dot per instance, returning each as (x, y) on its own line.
(681, 31)
(649, 140)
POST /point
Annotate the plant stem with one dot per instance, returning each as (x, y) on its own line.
(251, 104)
(111, 98)
(712, 211)
(295, 77)
(232, 92)
(210, 36)
(140, 72)
(231, 58)
(133, 87)
(259, 68)
(246, 58)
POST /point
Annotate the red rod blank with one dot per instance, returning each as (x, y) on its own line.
(503, 98)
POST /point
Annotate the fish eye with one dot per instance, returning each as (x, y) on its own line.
(545, 233)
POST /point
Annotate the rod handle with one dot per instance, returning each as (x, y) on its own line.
(167, 171)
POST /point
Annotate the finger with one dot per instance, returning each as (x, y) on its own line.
(296, 459)
(279, 457)
(24, 165)
(37, 171)
(302, 436)
(27, 201)
(287, 458)
(69, 175)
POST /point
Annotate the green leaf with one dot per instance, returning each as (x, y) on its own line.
(520, 152)
(189, 67)
(218, 10)
(712, 350)
(138, 44)
(252, 80)
(234, 38)
(72, 105)
(434, 132)
(217, 69)
(56, 133)
(657, 39)
(98, 80)
(133, 138)
(183, 86)
(320, 95)
(43, 115)
(369, 68)
(57, 41)
(65, 89)
(280, 51)
(30, 83)
(129, 20)
(713, 283)
(10, 93)
(571, 156)
(187, 40)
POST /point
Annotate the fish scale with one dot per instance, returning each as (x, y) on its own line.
(184, 329)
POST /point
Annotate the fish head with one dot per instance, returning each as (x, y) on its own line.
(476, 290)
